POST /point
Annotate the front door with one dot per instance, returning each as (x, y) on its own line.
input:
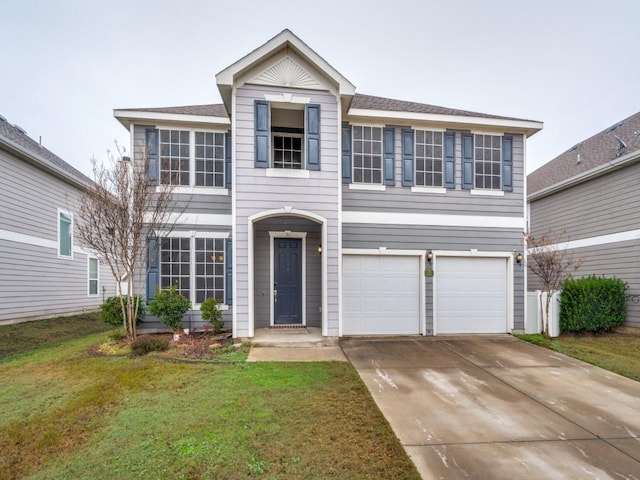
(287, 287)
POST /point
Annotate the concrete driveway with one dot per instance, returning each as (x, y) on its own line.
(498, 408)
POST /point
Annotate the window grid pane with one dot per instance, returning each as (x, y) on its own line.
(175, 264)
(65, 240)
(488, 161)
(209, 155)
(367, 155)
(209, 278)
(174, 157)
(287, 151)
(429, 152)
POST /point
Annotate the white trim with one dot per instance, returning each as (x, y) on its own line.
(287, 234)
(487, 193)
(60, 212)
(194, 190)
(508, 256)
(286, 173)
(430, 190)
(627, 236)
(374, 187)
(488, 132)
(286, 98)
(432, 219)
(339, 233)
(527, 223)
(198, 219)
(191, 234)
(16, 237)
(528, 126)
(234, 226)
(129, 115)
(383, 251)
(89, 294)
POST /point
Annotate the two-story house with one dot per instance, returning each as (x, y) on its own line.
(44, 271)
(312, 205)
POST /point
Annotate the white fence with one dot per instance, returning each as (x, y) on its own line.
(535, 309)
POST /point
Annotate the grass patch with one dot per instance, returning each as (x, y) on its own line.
(615, 352)
(22, 337)
(67, 414)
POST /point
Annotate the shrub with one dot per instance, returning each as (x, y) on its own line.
(592, 304)
(111, 311)
(211, 312)
(170, 306)
(144, 345)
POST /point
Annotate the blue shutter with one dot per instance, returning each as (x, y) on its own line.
(227, 159)
(262, 133)
(312, 135)
(467, 160)
(407, 157)
(153, 270)
(507, 164)
(389, 156)
(450, 160)
(346, 153)
(152, 166)
(228, 271)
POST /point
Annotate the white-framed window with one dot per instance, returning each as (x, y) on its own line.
(287, 150)
(65, 234)
(367, 154)
(195, 266)
(487, 158)
(192, 158)
(429, 158)
(93, 270)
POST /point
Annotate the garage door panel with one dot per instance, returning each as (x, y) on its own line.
(381, 295)
(471, 295)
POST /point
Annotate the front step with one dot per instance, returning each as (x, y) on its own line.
(300, 336)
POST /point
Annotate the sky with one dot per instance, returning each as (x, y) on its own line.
(65, 65)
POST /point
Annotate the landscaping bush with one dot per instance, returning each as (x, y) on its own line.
(144, 345)
(111, 311)
(211, 313)
(170, 306)
(592, 304)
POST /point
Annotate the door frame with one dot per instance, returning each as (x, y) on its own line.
(508, 256)
(287, 234)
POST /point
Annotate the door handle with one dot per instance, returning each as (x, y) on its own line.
(275, 295)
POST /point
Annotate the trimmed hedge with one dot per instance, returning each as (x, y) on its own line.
(592, 304)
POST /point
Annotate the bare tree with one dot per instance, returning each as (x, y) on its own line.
(117, 215)
(552, 264)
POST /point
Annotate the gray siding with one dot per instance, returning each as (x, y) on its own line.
(255, 193)
(455, 202)
(35, 283)
(442, 238)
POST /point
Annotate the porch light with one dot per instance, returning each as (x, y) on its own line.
(429, 256)
(519, 258)
(319, 249)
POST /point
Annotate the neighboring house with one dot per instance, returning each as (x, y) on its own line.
(589, 198)
(312, 205)
(43, 271)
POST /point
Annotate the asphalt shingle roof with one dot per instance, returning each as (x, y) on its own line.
(209, 110)
(13, 136)
(593, 152)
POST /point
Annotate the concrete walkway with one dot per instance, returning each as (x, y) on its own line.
(293, 345)
(498, 408)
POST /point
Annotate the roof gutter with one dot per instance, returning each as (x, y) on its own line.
(41, 163)
(588, 175)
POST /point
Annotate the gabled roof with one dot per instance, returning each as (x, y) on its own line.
(593, 156)
(16, 141)
(211, 110)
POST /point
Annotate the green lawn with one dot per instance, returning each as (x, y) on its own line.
(612, 351)
(66, 413)
(21, 337)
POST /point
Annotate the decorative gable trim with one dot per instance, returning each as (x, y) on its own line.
(287, 73)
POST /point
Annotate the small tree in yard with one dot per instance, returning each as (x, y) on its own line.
(210, 310)
(170, 305)
(116, 215)
(552, 265)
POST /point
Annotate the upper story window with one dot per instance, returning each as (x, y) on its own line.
(287, 135)
(189, 158)
(65, 234)
(488, 161)
(429, 157)
(367, 154)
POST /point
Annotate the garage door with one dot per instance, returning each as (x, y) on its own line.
(380, 295)
(471, 295)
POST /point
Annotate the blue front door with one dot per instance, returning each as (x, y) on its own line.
(287, 288)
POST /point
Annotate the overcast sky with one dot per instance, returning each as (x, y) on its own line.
(65, 65)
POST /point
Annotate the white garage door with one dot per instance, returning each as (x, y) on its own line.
(380, 295)
(471, 295)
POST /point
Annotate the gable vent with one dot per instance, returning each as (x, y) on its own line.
(19, 128)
